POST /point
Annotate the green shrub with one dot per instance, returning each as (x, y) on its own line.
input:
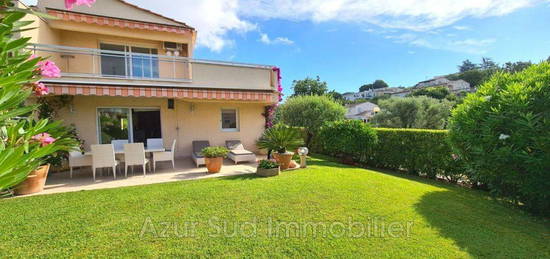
(267, 164)
(309, 112)
(503, 133)
(212, 152)
(347, 138)
(418, 112)
(419, 151)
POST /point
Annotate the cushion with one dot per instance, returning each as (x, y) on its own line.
(198, 154)
(241, 152)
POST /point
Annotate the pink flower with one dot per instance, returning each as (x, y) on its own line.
(69, 4)
(279, 85)
(44, 138)
(40, 89)
(454, 156)
(49, 69)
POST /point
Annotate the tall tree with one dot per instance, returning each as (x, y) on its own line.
(309, 86)
(413, 112)
(467, 65)
(488, 64)
(513, 67)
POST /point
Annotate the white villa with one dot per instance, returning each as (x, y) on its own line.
(362, 111)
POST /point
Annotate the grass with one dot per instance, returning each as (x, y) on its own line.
(447, 221)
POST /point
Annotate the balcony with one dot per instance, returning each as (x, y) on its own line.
(143, 67)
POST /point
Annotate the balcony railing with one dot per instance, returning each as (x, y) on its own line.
(98, 63)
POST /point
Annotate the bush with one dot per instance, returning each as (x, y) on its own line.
(503, 133)
(350, 138)
(267, 164)
(419, 151)
(212, 152)
(310, 112)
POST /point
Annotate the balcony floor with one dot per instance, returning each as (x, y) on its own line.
(185, 170)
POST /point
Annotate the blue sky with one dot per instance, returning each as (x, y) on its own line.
(351, 42)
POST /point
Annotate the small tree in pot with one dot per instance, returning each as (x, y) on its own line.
(281, 138)
(213, 157)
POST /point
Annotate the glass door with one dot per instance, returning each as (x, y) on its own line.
(113, 60)
(145, 65)
(114, 124)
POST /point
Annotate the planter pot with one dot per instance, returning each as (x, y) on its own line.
(267, 172)
(284, 159)
(35, 181)
(213, 164)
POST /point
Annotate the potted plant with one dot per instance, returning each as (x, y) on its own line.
(281, 138)
(267, 168)
(213, 157)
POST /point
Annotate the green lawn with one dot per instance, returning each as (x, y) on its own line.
(447, 221)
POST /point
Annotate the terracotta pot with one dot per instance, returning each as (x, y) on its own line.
(292, 164)
(214, 164)
(267, 172)
(284, 159)
(275, 156)
(35, 181)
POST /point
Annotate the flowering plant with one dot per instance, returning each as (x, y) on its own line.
(24, 141)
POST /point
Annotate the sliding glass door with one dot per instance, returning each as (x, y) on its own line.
(132, 124)
(129, 61)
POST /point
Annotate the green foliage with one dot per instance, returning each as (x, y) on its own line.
(438, 92)
(337, 97)
(267, 164)
(350, 138)
(413, 112)
(20, 152)
(377, 84)
(309, 86)
(310, 113)
(503, 132)
(467, 65)
(418, 151)
(281, 138)
(212, 152)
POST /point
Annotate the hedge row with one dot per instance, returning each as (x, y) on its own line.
(418, 151)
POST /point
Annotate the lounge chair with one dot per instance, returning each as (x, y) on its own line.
(197, 156)
(237, 153)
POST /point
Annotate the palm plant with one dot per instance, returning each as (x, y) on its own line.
(281, 138)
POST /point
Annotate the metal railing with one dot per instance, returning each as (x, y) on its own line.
(98, 63)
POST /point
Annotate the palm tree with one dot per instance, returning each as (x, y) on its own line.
(281, 138)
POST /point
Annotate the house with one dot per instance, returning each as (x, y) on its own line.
(362, 111)
(455, 86)
(131, 75)
(371, 93)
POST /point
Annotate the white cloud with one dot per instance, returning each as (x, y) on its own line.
(471, 46)
(264, 38)
(216, 19)
(213, 19)
(461, 28)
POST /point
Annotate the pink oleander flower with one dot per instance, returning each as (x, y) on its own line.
(49, 69)
(40, 89)
(44, 138)
(69, 4)
(454, 156)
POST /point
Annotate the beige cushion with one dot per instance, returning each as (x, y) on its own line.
(241, 152)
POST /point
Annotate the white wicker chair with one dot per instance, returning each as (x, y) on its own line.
(237, 153)
(103, 156)
(198, 146)
(77, 159)
(165, 156)
(134, 154)
(154, 143)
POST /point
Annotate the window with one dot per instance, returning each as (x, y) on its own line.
(230, 120)
(129, 61)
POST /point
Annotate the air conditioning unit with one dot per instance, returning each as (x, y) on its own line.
(172, 46)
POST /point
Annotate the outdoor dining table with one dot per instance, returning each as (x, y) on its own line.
(121, 151)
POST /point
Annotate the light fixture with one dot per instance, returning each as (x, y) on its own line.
(303, 151)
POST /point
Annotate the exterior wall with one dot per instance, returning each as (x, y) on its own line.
(231, 77)
(187, 122)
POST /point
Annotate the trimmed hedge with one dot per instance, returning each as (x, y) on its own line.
(418, 151)
(347, 138)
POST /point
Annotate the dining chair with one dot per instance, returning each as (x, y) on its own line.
(77, 159)
(134, 154)
(103, 156)
(155, 143)
(165, 156)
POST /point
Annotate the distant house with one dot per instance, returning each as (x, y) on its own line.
(362, 111)
(371, 93)
(455, 86)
